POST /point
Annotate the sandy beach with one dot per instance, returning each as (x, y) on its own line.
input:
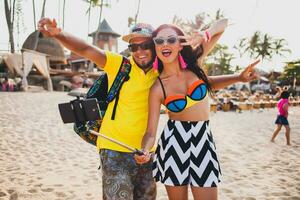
(43, 159)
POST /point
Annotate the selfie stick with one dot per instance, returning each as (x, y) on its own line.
(139, 152)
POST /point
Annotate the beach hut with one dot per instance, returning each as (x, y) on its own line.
(23, 63)
(46, 45)
(49, 47)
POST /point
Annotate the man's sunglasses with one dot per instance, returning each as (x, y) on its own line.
(169, 40)
(143, 46)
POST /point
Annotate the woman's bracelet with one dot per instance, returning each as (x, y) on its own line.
(205, 35)
(208, 35)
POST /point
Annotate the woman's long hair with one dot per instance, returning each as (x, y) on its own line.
(189, 55)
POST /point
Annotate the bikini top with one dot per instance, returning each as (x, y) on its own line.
(177, 103)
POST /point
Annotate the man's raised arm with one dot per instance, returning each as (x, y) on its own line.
(49, 28)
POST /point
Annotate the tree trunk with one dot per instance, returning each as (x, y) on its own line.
(43, 10)
(34, 19)
(10, 24)
(37, 34)
(101, 7)
(64, 8)
(137, 12)
(89, 19)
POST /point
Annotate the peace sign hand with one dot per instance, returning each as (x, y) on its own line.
(194, 40)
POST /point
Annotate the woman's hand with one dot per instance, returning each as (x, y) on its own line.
(194, 40)
(141, 159)
(48, 27)
(249, 73)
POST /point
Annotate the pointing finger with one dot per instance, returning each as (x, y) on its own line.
(253, 64)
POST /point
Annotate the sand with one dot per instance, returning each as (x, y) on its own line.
(41, 158)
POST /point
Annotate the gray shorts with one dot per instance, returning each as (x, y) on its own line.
(124, 179)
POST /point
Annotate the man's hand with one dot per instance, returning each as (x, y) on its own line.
(142, 158)
(48, 27)
(249, 73)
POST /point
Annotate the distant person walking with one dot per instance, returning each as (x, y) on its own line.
(282, 116)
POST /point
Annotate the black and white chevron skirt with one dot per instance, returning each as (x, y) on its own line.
(186, 154)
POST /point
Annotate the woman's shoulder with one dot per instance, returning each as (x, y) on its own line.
(157, 89)
(156, 86)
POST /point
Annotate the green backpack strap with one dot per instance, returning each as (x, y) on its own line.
(99, 91)
(114, 91)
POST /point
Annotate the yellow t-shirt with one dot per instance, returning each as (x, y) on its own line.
(131, 117)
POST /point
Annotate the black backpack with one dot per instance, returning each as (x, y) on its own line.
(99, 90)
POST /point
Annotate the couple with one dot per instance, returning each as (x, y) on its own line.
(164, 71)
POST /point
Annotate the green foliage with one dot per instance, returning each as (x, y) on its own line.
(262, 46)
(202, 21)
(219, 61)
(96, 3)
(291, 70)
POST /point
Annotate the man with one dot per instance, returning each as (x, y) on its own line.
(122, 177)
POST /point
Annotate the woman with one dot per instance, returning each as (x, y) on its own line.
(186, 151)
(282, 117)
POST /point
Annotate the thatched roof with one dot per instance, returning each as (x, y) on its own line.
(45, 45)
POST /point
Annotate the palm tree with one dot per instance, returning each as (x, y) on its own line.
(219, 61)
(137, 11)
(37, 33)
(10, 19)
(13, 15)
(291, 73)
(43, 9)
(94, 3)
(133, 20)
(262, 46)
(64, 8)
(34, 18)
(246, 45)
(280, 47)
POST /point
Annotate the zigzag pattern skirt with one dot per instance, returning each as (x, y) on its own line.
(186, 154)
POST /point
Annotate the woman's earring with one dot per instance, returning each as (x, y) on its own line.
(181, 61)
(155, 64)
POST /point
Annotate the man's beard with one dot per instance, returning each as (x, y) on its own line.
(145, 65)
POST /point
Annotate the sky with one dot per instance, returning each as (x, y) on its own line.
(275, 17)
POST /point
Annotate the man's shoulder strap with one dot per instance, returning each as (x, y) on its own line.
(121, 77)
